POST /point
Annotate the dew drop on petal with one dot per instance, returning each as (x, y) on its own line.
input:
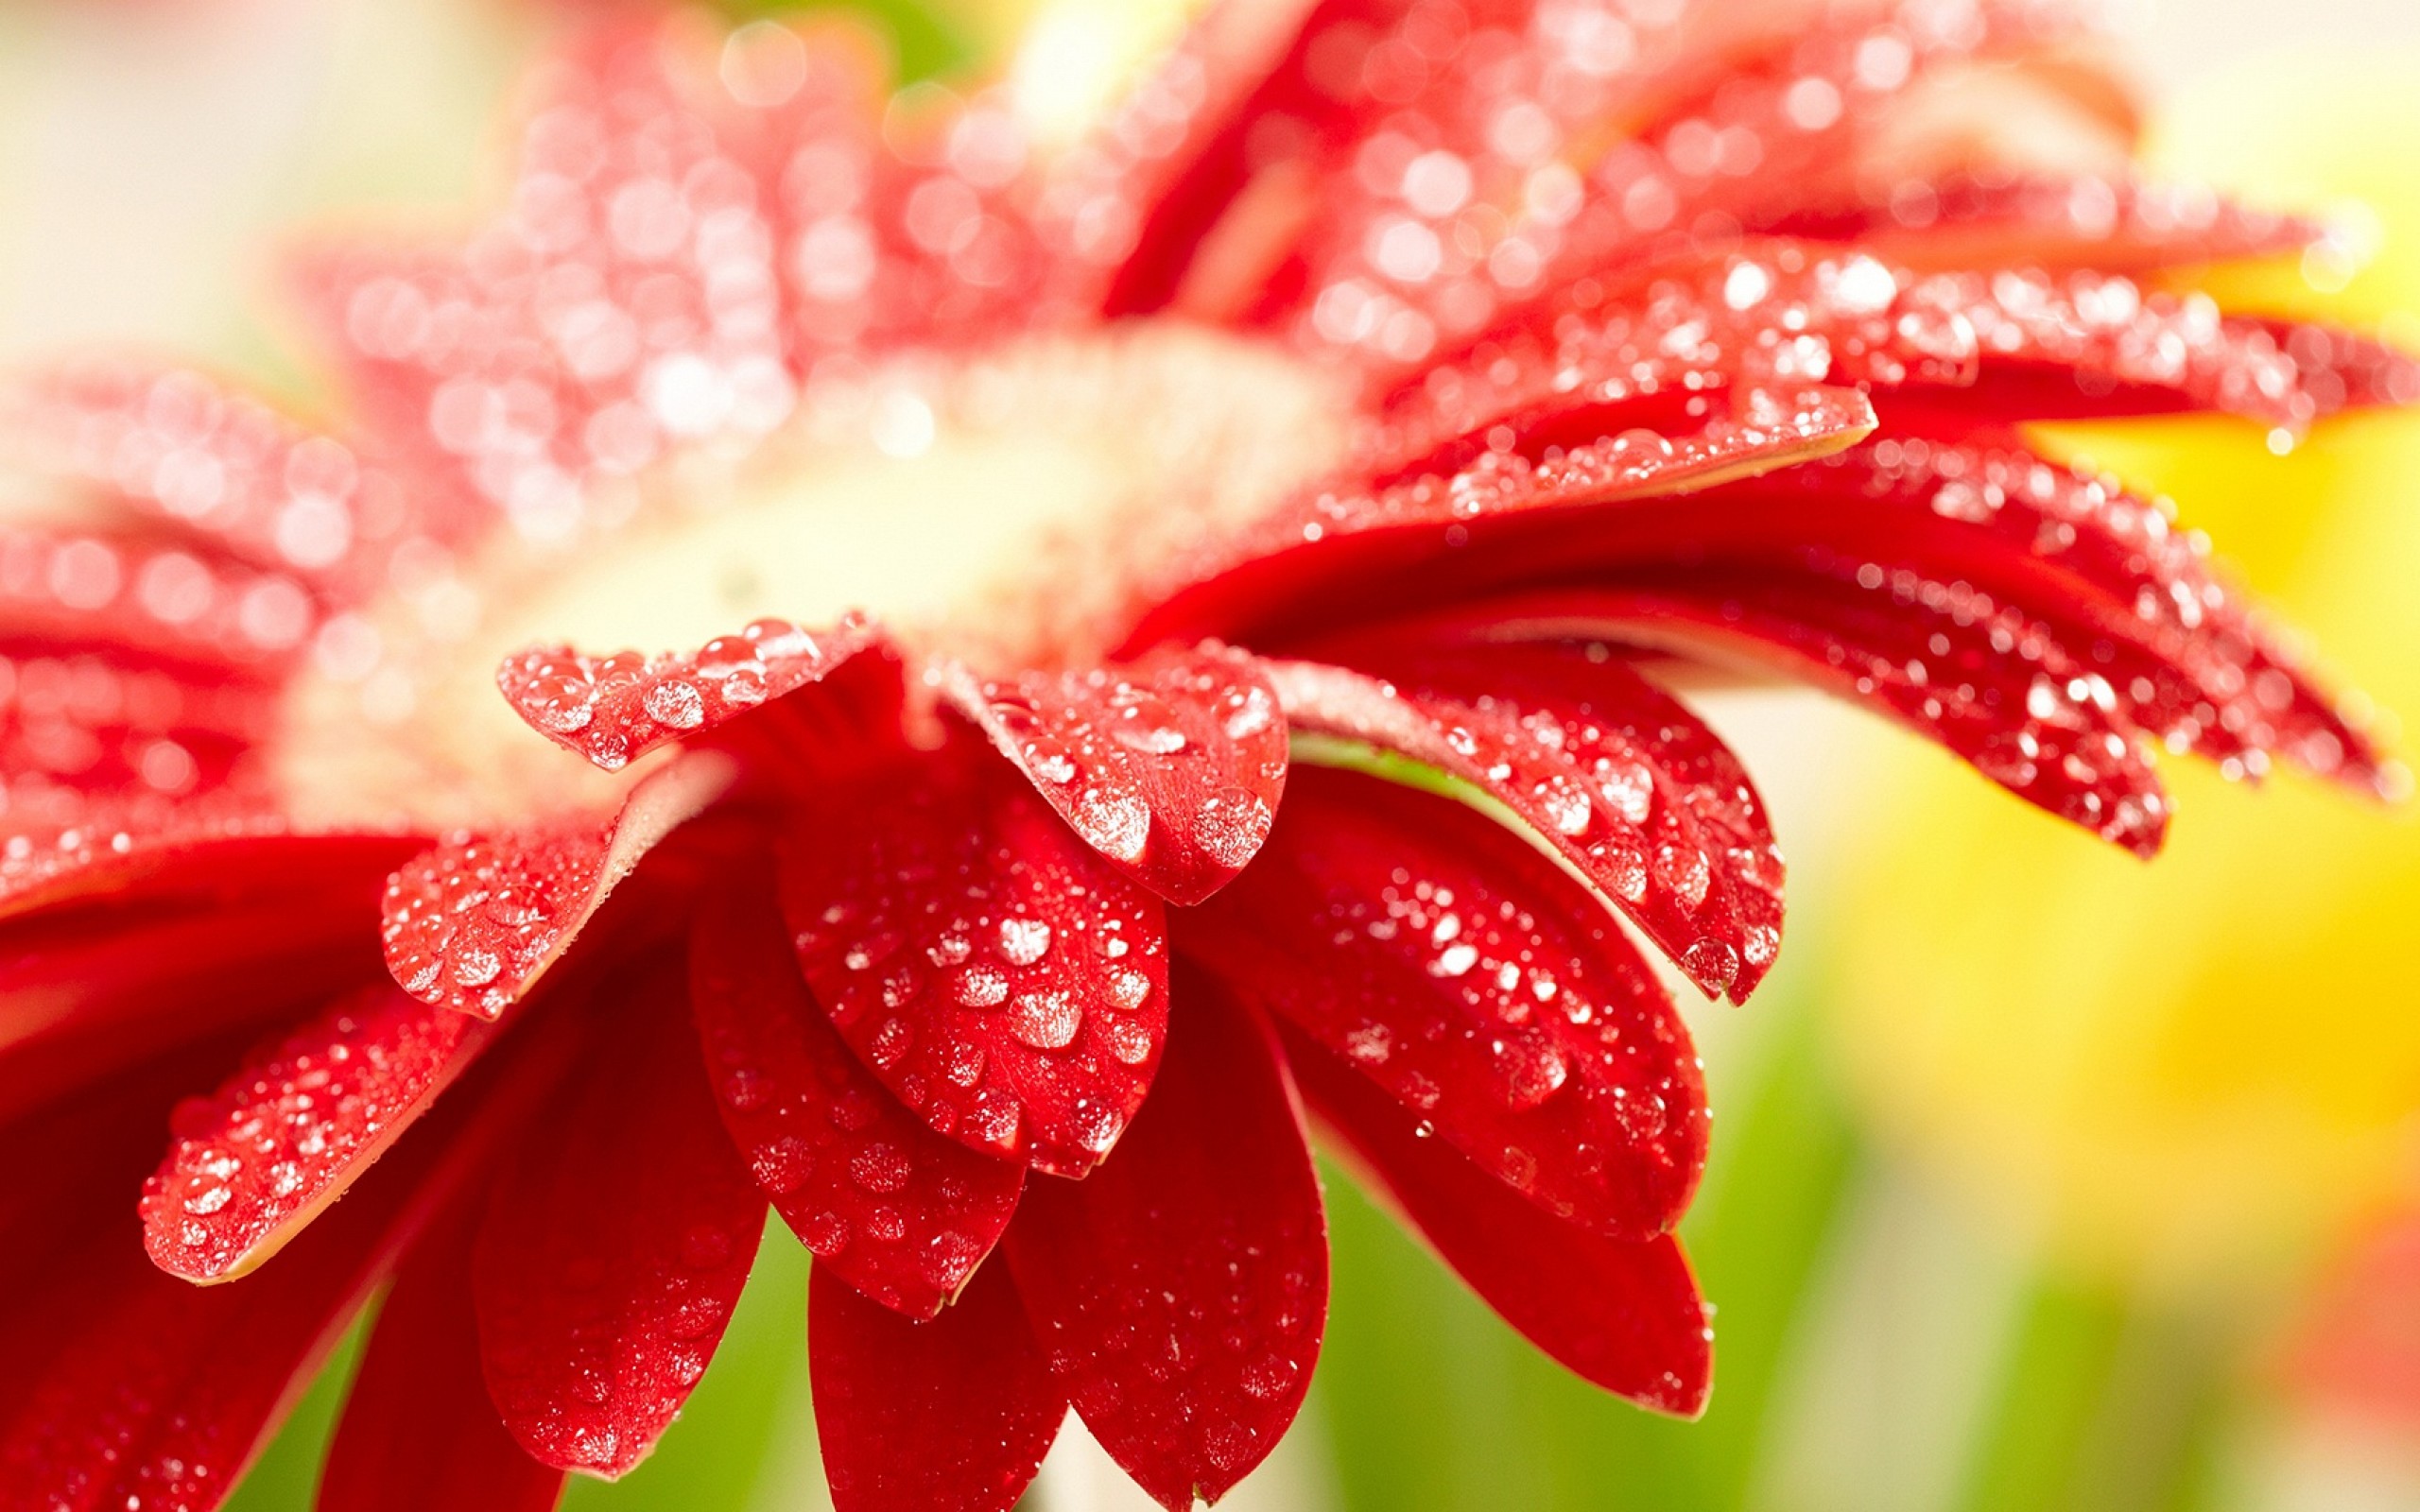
(1046, 1020)
(979, 987)
(1115, 824)
(1231, 826)
(1024, 941)
(675, 704)
(879, 1167)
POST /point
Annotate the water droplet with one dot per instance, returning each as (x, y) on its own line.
(478, 968)
(879, 1167)
(675, 704)
(962, 1062)
(1115, 824)
(1712, 963)
(1046, 1020)
(1049, 759)
(1231, 825)
(1130, 1041)
(1684, 871)
(1533, 1071)
(1370, 1044)
(825, 1234)
(1453, 960)
(891, 1043)
(979, 987)
(949, 1258)
(1567, 808)
(781, 1165)
(1024, 941)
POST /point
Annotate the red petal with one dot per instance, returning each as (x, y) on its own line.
(2059, 222)
(1626, 1317)
(2340, 370)
(200, 457)
(75, 1162)
(614, 709)
(141, 594)
(182, 855)
(955, 1413)
(1623, 783)
(291, 1130)
(1463, 971)
(891, 1207)
(2089, 343)
(472, 923)
(163, 1392)
(1765, 313)
(2107, 571)
(1332, 556)
(112, 722)
(2000, 691)
(682, 241)
(991, 969)
(91, 989)
(1172, 767)
(419, 1431)
(1745, 148)
(616, 1243)
(1181, 1290)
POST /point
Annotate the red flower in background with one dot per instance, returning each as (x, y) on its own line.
(1391, 382)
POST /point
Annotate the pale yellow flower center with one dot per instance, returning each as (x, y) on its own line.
(1005, 509)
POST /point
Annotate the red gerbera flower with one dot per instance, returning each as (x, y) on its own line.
(1377, 389)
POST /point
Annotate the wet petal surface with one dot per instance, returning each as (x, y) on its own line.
(419, 1431)
(954, 1412)
(1172, 767)
(470, 925)
(1458, 967)
(895, 1210)
(1180, 1290)
(1620, 780)
(617, 1242)
(284, 1137)
(996, 974)
(1626, 1317)
(614, 709)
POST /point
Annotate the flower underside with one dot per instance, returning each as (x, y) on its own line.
(1040, 558)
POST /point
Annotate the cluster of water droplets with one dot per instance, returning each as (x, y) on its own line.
(290, 1126)
(1714, 435)
(90, 723)
(1179, 1293)
(1774, 315)
(284, 509)
(2207, 677)
(1489, 184)
(1013, 998)
(691, 244)
(595, 1366)
(1170, 770)
(1551, 1063)
(1679, 845)
(613, 708)
(466, 922)
(902, 1213)
(2111, 331)
(1194, 1359)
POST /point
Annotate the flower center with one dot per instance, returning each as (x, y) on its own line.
(1010, 507)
